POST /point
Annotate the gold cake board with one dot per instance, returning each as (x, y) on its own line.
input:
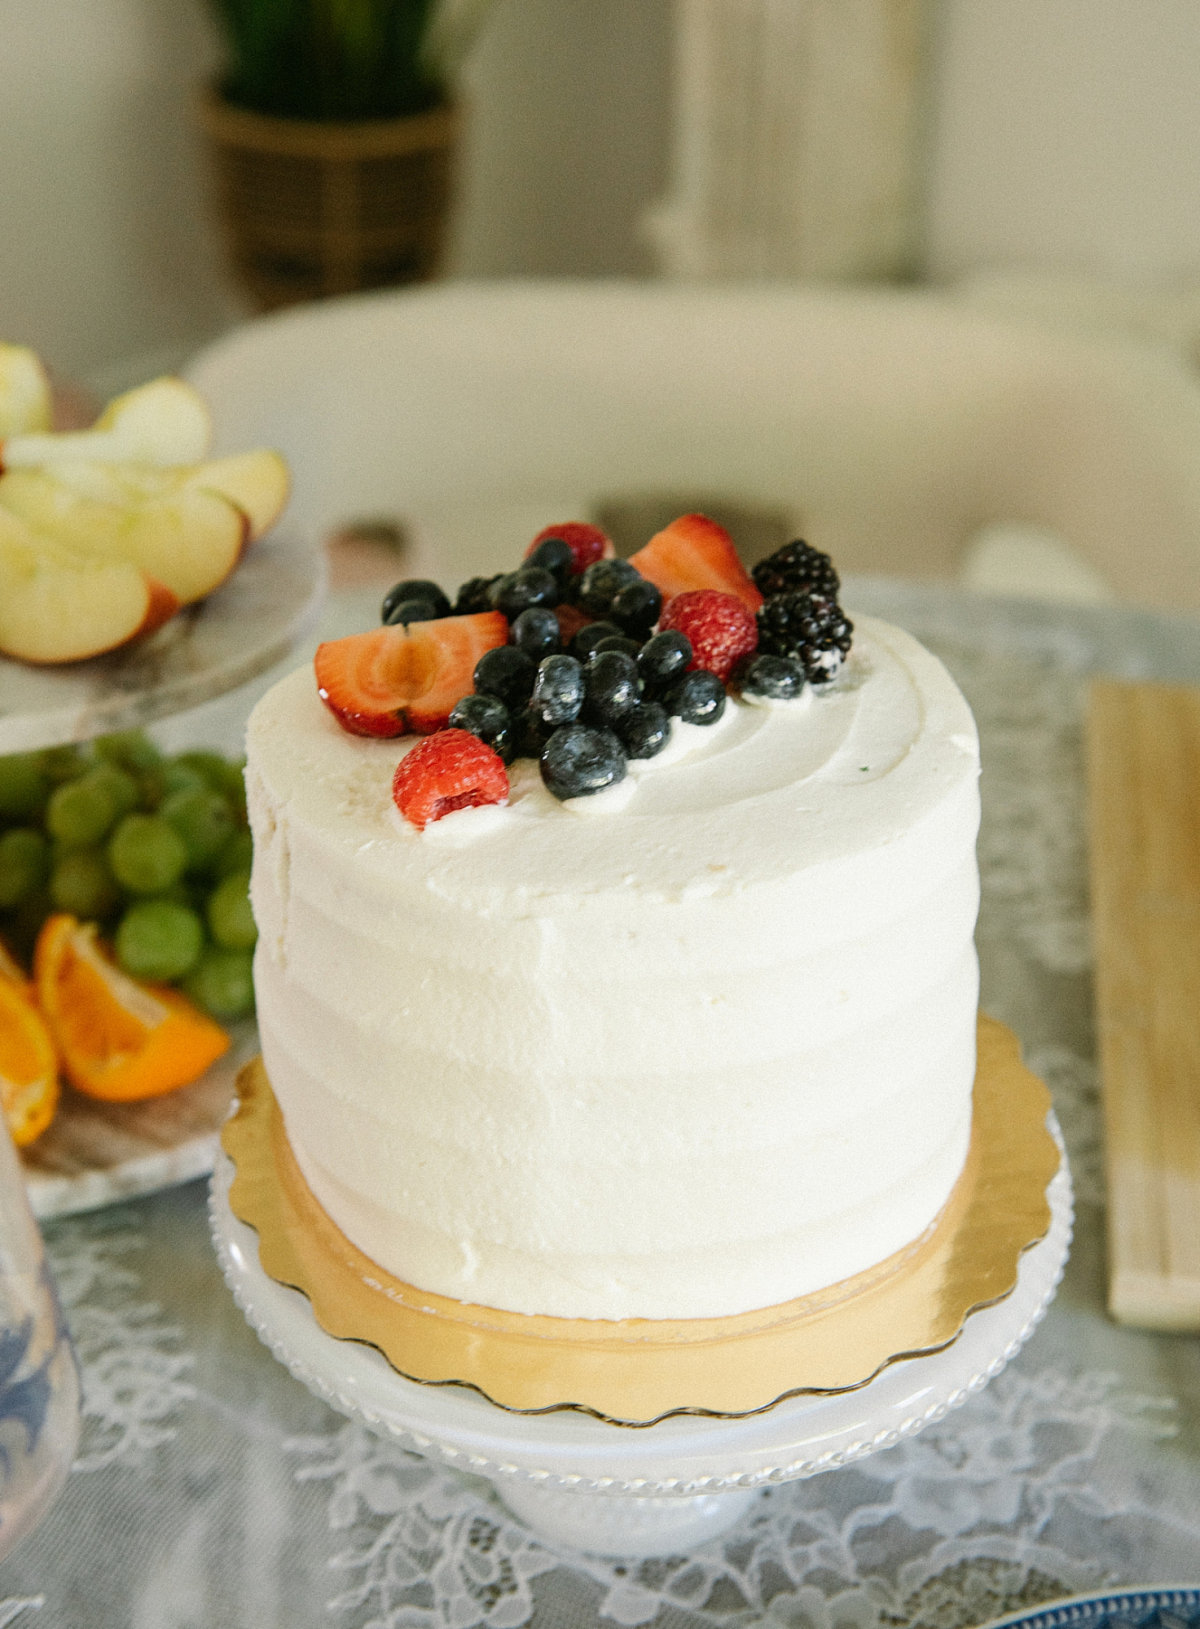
(638, 1371)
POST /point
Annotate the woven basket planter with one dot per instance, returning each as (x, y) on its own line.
(312, 208)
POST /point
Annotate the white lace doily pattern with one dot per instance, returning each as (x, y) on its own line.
(212, 1490)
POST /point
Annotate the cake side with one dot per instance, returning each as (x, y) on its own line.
(706, 1053)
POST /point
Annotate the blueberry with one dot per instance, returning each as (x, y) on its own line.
(506, 673)
(414, 588)
(532, 733)
(780, 677)
(627, 647)
(537, 633)
(577, 761)
(411, 611)
(588, 637)
(602, 582)
(646, 730)
(558, 690)
(636, 608)
(611, 679)
(475, 596)
(554, 556)
(698, 698)
(490, 720)
(663, 659)
(518, 590)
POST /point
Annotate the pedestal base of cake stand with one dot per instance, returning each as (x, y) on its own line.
(585, 1484)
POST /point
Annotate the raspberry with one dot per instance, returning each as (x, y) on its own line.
(450, 770)
(720, 628)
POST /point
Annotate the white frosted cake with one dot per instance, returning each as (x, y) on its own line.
(698, 1044)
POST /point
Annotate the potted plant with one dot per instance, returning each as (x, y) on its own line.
(332, 132)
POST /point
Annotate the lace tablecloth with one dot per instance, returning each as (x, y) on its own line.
(212, 1489)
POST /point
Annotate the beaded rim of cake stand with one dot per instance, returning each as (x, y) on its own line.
(638, 1372)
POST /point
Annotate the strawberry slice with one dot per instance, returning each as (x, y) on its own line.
(391, 681)
(694, 552)
(720, 627)
(587, 543)
(452, 770)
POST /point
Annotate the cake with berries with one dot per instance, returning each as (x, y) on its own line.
(615, 949)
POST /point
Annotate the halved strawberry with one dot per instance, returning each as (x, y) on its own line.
(720, 627)
(694, 552)
(586, 543)
(452, 770)
(394, 680)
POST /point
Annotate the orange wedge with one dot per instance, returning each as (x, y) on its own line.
(119, 1040)
(28, 1063)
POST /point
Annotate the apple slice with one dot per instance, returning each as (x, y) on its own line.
(60, 606)
(165, 422)
(24, 391)
(258, 483)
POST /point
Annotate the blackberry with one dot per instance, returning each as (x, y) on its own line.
(555, 556)
(602, 582)
(475, 595)
(663, 659)
(636, 608)
(516, 591)
(612, 689)
(537, 633)
(810, 628)
(589, 636)
(698, 698)
(645, 730)
(506, 673)
(578, 761)
(414, 588)
(797, 568)
(558, 690)
(780, 677)
(488, 718)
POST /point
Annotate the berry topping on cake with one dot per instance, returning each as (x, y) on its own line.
(393, 680)
(698, 698)
(578, 761)
(570, 621)
(414, 589)
(664, 658)
(537, 633)
(781, 678)
(508, 674)
(611, 685)
(636, 608)
(517, 591)
(475, 595)
(601, 583)
(558, 691)
(490, 720)
(586, 543)
(554, 556)
(646, 730)
(719, 627)
(694, 552)
(797, 568)
(809, 628)
(452, 770)
(630, 647)
(591, 635)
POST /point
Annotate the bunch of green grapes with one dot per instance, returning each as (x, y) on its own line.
(154, 849)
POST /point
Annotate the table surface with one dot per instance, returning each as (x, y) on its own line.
(212, 1489)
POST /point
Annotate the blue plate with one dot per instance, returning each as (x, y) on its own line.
(1177, 1607)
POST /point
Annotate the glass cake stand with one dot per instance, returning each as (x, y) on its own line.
(587, 1485)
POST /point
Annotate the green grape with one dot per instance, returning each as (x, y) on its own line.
(60, 764)
(178, 777)
(204, 821)
(222, 775)
(23, 787)
(146, 854)
(123, 787)
(24, 864)
(236, 855)
(82, 884)
(131, 750)
(159, 940)
(230, 919)
(81, 813)
(222, 984)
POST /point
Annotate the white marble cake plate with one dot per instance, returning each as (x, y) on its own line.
(238, 632)
(614, 1490)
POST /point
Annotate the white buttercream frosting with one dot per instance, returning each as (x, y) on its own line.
(703, 1047)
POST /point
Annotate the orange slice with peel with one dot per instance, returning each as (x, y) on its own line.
(119, 1040)
(28, 1062)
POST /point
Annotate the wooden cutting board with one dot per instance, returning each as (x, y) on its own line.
(1143, 750)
